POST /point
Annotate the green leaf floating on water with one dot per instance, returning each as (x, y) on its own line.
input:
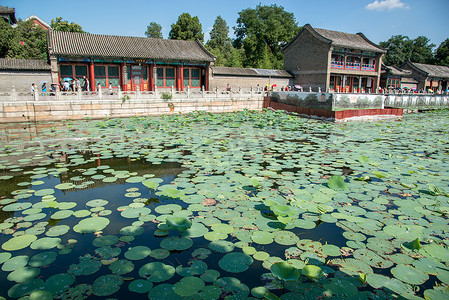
(178, 223)
(337, 183)
(313, 272)
(285, 271)
(413, 245)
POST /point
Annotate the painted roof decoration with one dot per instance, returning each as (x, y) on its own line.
(356, 41)
(86, 44)
(249, 72)
(23, 64)
(429, 70)
(393, 70)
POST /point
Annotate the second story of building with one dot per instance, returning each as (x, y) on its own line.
(321, 51)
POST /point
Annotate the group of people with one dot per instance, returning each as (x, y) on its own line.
(74, 85)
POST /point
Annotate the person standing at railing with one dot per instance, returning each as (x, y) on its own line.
(33, 88)
(44, 87)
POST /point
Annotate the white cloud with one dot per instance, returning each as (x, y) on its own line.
(387, 5)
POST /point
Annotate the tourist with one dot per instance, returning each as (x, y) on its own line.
(85, 84)
(110, 89)
(44, 87)
(33, 87)
(258, 88)
(228, 87)
(66, 86)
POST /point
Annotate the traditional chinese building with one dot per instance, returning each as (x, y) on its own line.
(393, 77)
(429, 77)
(129, 62)
(334, 61)
(8, 14)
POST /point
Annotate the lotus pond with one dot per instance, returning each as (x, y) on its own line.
(225, 206)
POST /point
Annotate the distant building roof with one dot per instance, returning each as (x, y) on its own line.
(9, 14)
(88, 45)
(430, 70)
(39, 21)
(24, 64)
(250, 72)
(341, 39)
(396, 71)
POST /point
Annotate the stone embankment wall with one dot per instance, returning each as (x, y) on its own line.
(23, 107)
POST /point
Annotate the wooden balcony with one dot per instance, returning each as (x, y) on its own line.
(352, 66)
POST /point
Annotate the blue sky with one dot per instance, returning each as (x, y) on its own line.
(377, 19)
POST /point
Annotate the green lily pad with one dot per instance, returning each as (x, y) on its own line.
(221, 246)
(45, 243)
(262, 237)
(105, 240)
(235, 262)
(284, 271)
(19, 242)
(121, 266)
(159, 253)
(132, 230)
(87, 265)
(163, 291)
(156, 272)
(176, 243)
(188, 286)
(15, 262)
(23, 274)
(97, 202)
(42, 259)
(138, 253)
(57, 230)
(409, 274)
(140, 286)
(178, 223)
(107, 285)
(91, 225)
(312, 271)
(26, 288)
(59, 283)
(337, 183)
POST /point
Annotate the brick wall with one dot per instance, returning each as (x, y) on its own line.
(21, 80)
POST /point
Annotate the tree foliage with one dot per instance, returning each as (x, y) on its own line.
(401, 48)
(186, 28)
(25, 41)
(62, 25)
(262, 32)
(154, 30)
(442, 53)
(220, 45)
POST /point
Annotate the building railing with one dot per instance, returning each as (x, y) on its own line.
(117, 93)
(352, 66)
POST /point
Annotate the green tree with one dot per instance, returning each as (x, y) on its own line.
(442, 53)
(401, 48)
(7, 34)
(154, 30)
(422, 50)
(62, 25)
(262, 32)
(25, 41)
(220, 45)
(186, 28)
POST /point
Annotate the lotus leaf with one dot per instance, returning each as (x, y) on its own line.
(286, 238)
(262, 237)
(121, 266)
(176, 243)
(45, 243)
(57, 230)
(59, 283)
(235, 262)
(156, 271)
(178, 223)
(313, 272)
(233, 286)
(26, 288)
(19, 242)
(108, 252)
(91, 225)
(284, 271)
(337, 183)
(107, 285)
(15, 262)
(409, 274)
(97, 203)
(105, 240)
(188, 286)
(23, 274)
(132, 230)
(138, 253)
(163, 291)
(42, 259)
(87, 266)
(140, 286)
(261, 255)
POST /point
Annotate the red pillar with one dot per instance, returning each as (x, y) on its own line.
(151, 77)
(92, 76)
(181, 77)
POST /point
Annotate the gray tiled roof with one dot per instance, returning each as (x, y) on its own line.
(432, 70)
(348, 40)
(87, 45)
(250, 72)
(23, 64)
(6, 9)
(393, 70)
